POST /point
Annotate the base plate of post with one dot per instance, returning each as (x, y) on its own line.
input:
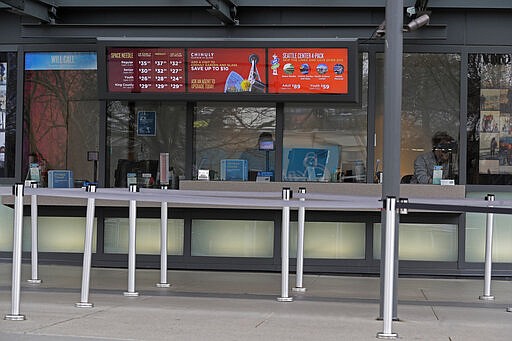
(14, 317)
(84, 305)
(285, 299)
(163, 285)
(297, 289)
(131, 294)
(387, 336)
(486, 297)
(34, 281)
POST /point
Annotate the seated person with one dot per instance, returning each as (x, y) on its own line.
(442, 147)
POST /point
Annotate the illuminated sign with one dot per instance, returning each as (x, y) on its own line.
(226, 70)
(146, 70)
(308, 70)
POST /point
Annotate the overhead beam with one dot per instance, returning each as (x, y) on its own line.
(224, 10)
(32, 8)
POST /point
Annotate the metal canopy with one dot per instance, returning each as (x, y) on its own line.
(40, 10)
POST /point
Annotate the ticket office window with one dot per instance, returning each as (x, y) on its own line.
(327, 142)
(138, 132)
(61, 115)
(430, 104)
(489, 128)
(8, 71)
(234, 141)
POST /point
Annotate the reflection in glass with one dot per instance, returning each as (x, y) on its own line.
(61, 121)
(430, 103)
(228, 131)
(8, 71)
(134, 151)
(326, 142)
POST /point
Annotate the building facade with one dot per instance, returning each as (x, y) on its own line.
(283, 92)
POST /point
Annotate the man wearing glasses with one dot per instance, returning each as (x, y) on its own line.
(438, 159)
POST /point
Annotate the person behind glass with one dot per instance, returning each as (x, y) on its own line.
(442, 147)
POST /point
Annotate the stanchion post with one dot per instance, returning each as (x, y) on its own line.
(16, 254)
(488, 254)
(285, 243)
(86, 268)
(163, 244)
(132, 245)
(300, 243)
(34, 252)
(389, 261)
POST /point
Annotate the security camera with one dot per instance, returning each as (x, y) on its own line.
(418, 22)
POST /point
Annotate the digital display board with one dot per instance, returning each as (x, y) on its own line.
(146, 69)
(226, 70)
(308, 70)
(218, 70)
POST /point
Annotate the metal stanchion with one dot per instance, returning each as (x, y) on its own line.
(132, 245)
(34, 254)
(285, 243)
(16, 254)
(389, 261)
(488, 254)
(300, 244)
(163, 244)
(86, 268)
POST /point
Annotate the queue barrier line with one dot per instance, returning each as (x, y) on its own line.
(337, 201)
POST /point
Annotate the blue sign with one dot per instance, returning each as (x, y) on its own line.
(146, 123)
(61, 61)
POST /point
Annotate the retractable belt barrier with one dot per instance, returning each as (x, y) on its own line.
(233, 199)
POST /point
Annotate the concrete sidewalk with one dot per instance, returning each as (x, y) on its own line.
(204, 305)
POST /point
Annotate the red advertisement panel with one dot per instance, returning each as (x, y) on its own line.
(146, 70)
(225, 70)
(308, 70)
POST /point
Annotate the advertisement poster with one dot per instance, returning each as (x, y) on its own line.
(308, 70)
(495, 131)
(146, 123)
(225, 70)
(146, 70)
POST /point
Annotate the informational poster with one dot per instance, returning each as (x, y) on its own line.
(146, 69)
(146, 123)
(495, 131)
(226, 70)
(308, 70)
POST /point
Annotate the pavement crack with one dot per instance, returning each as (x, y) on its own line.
(264, 320)
(431, 306)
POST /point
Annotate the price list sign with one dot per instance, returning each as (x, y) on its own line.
(308, 70)
(146, 70)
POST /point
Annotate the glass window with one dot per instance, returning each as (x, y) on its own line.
(422, 242)
(476, 229)
(430, 104)
(326, 142)
(232, 238)
(330, 240)
(8, 70)
(227, 132)
(61, 115)
(489, 125)
(117, 232)
(137, 133)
